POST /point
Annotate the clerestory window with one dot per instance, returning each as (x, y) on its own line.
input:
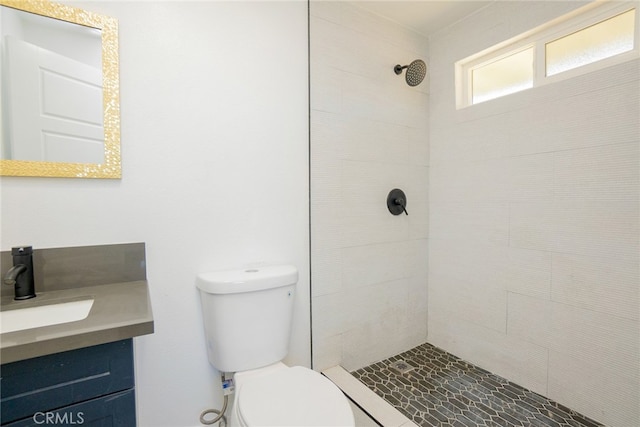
(591, 38)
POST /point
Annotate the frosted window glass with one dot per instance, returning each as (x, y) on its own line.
(599, 41)
(506, 75)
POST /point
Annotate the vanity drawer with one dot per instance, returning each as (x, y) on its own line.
(114, 410)
(58, 380)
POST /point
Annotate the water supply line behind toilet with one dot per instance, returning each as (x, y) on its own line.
(227, 389)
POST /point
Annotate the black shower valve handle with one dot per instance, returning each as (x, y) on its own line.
(397, 202)
(400, 201)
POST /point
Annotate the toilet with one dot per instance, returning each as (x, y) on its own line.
(247, 320)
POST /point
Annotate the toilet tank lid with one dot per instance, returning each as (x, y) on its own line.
(247, 280)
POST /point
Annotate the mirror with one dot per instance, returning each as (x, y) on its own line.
(60, 110)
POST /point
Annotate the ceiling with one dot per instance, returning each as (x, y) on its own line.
(423, 16)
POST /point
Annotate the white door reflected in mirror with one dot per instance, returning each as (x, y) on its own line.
(55, 106)
(52, 103)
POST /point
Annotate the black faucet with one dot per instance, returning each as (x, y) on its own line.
(21, 274)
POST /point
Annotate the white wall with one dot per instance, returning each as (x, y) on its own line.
(215, 175)
(369, 134)
(533, 250)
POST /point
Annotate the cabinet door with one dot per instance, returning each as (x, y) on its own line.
(58, 380)
(114, 410)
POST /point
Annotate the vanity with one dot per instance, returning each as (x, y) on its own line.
(78, 371)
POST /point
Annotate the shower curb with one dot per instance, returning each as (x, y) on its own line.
(377, 408)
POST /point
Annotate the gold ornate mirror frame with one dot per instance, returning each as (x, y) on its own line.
(111, 168)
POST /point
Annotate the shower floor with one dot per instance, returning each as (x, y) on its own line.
(443, 390)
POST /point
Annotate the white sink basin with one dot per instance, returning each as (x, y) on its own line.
(44, 315)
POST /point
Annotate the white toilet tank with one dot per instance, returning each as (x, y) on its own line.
(247, 315)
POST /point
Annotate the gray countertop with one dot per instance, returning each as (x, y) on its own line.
(119, 311)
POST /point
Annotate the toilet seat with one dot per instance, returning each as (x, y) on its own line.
(294, 396)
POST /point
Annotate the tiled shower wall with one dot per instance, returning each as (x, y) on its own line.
(533, 242)
(369, 134)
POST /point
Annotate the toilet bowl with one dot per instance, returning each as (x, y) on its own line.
(278, 395)
(247, 320)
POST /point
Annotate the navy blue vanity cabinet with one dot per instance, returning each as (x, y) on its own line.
(89, 386)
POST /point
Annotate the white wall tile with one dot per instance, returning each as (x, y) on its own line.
(379, 28)
(464, 283)
(378, 339)
(418, 292)
(329, 172)
(597, 338)
(469, 141)
(367, 140)
(373, 228)
(376, 303)
(326, 227)
(370, 264)
(531, 225)
(329, 315)
(606, 285)
(483, 180)
(598, 228)
(469, 221)
(608, 172)
(579, 383)
(327, 139)
(328, 10)
(474, 261)
(531, 178)
(465, 301)
(326, 94)
(580, 103)
(379, 135)
(527, 272)
(327, 267)
(327, 351)
(419, 146)
(327, 45)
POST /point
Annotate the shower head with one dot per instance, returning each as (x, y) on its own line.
(415, 72)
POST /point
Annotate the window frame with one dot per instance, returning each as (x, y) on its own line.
(537, 39)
